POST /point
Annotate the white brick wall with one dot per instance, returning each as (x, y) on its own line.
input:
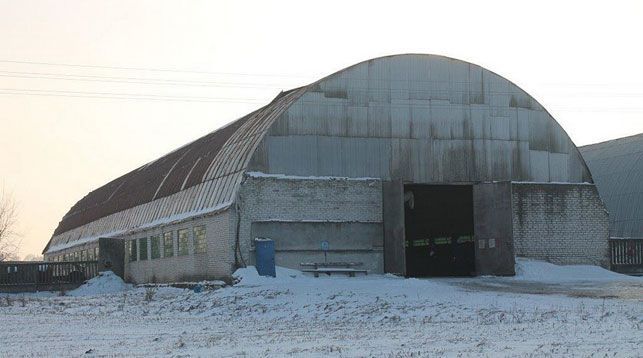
(560, 223)
(217, 263)
(312, 200)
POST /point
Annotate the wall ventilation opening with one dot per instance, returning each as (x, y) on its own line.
(439, 230)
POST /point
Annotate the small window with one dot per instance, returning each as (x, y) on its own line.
(83, 255)
(155, 243)
(199, 240)
(168, 244)
(183, 241)
(132, 250)
(90, 255)
(142, 244)
(96, 253)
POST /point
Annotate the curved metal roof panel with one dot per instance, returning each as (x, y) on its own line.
(617, 169)
(195, 178)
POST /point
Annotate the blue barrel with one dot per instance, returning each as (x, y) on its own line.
(265, 257)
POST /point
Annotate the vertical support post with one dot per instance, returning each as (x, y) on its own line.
(393, 219)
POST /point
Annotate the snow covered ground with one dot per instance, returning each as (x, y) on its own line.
(374, 315)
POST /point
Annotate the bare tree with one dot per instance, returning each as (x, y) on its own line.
(8, 220)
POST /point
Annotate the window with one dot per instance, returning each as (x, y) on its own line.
(90, 255)
(132, 250)
(82, 255)
(142, 248)
(168, 244)
(199, 240)
(183, 241)
(155, 243)
(96, 253)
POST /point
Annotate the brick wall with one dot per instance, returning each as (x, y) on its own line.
(216, 263)
(354, 204)
(560, 223)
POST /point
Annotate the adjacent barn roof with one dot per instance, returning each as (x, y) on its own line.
(617, 169)
(422, 118)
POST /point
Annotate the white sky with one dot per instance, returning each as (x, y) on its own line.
(580, 59)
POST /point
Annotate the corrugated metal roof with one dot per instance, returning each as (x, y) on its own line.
(201, 175)
(617, 169)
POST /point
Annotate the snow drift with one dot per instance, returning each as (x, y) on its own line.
(541, 271)
(105, 282)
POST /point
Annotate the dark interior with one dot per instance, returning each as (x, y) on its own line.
(439, 230)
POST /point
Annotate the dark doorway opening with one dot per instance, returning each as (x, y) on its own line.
(438, 223)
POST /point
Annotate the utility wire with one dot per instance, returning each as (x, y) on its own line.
(148, 69)
(116, 95)
(178, 82)
(135, 80)
(156, 97)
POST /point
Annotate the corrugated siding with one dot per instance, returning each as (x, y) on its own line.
(423, 119)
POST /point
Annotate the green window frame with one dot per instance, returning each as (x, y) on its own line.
(142, 248)
(183, 241)
(168, 244)
(155, 246)
(132, 250)
(200, 243)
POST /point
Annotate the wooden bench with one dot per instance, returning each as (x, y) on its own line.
(330, 268)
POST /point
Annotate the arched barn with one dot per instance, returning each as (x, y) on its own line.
(419, 165)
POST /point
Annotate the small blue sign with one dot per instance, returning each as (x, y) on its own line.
(324, 245)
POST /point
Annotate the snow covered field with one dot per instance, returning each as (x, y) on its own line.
(546, 310)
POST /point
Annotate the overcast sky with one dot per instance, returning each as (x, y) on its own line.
(90, 90)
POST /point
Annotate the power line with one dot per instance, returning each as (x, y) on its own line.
(116, 95)
(147, 69)
(178, 82)
(133, 80)
(156, 97)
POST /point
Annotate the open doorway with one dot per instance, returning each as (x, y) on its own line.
(439, 230)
